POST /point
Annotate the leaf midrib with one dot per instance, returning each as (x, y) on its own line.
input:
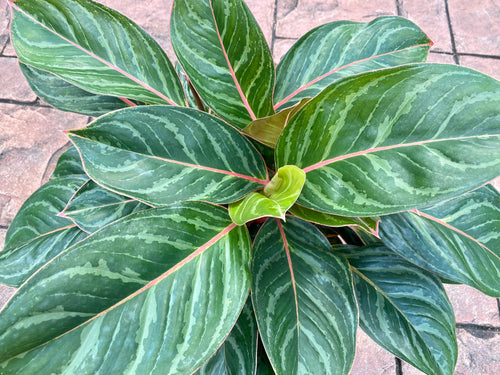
(391, 147)
(230, 67)
(194, 166)
(201, 249)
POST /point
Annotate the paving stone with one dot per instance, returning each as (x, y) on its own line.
(475, 26)
(4, 25)
(371, 358)
(281, 46)
(14, 85)
(430, 16)
(440, 58)
(152, 15)
(484, 65)
(30, 136)
(263, 11)
(9, 50)
(472, 306)
(496, 183)
(478, 354)
(296, 17)
(5, 293)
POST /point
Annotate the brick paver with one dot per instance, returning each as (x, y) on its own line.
(463, 31)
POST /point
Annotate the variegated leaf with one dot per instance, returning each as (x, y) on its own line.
(303, 300)
(343, 48)
(129, 64)
(68, 97)
(226, 57)
(458, 239)
(69, 163)
(238, 354)
(395, 139)
(163, 154)
(368, 224)
(156, 292)
(93, 207)
(274, 201)
(404, 309)
(37, 234)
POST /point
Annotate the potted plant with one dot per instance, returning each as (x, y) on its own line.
(224, 215)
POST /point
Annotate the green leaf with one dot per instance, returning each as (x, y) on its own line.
(156, 292)
(194, 101)
(303, 299)
(458, 239)
(163, 154)
(95, 48)
(274, 201)
(93, 207)
(268, 129)
(344, 48)
(223, 51)
(366, 223)
(37, 233)
(395, 139)
(404, 309)
(264, 366)
(68, 97)
(238, 354)
(68, 164)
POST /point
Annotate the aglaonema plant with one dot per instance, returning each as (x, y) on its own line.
(223, 216)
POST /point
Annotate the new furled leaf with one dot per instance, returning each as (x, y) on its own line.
(274, 200)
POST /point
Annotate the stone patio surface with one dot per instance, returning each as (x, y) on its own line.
(465, 32)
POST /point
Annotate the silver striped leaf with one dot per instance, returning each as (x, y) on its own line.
(49, 35)
(303, 300)
(93, 207)
(68, 97)
(238, 354)
(37, 233)
(404, 309)
(339, 49)
(395, 139)
(163, 154)
(223, 51)
(457, 239)
(156, 292)
(69, 163)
